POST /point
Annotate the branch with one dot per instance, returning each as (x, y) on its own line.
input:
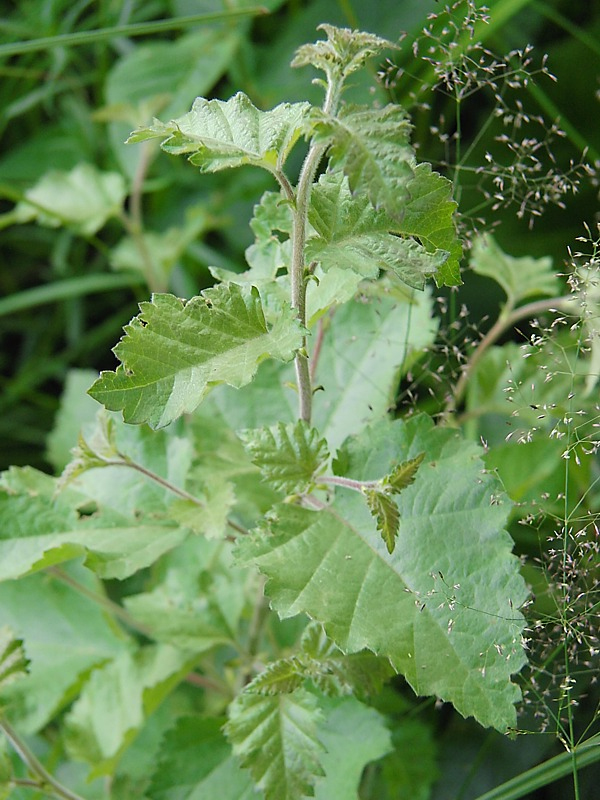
(502, 324)
(34, 765)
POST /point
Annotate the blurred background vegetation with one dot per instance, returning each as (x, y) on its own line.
(90, 226)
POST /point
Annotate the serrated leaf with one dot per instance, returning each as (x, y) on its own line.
(276, 739)
(521, 278)
(403, 474)
(83, 199)
(219, 135)
(385, 511)
(352, 234)
(280, 677)
(116, 700)
(288, 456)
(343, 53)
(429, 216)
(373, 148)
(13, 661)
(175, 351)
(450, 588)
(196, 764)
(353, 735)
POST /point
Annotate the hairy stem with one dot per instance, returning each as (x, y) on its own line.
(45, 780)
(297, 269)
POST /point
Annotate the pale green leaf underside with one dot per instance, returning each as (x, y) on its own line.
(372, 146)
(83, 199)
(521, 278)
(276, 739)
(352, 234)
(37, 531)
(175, 351)
(450, 590)
(288, 456)
(218, 134)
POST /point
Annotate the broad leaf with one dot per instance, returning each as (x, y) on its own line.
(13, 661)
(175, 351)
(521, 278)
(450, 590)
(76, 409)
(82, 199)
(373, 148)
(343, 53)
(196, 764)
(429, 215)
(288, 456)
(218, 135)
(66, 635)
(280, 677)
(38, 530)
(276, 739)
(353, 735)
(351, 233)
(116, 700)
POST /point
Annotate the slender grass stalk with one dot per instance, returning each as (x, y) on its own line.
(133, 29)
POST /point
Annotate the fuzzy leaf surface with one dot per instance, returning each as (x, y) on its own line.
(219, 135)
(429, 215)
(450, 588)
(352, 234)
(373, 148)
(342, 53)
(521, 278)
(196, 764)
(175, 351)
(276, 739)
(386, 514)
(288, 456)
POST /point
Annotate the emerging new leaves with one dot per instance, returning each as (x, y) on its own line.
(13, 661)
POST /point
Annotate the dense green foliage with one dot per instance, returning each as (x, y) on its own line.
(318, 526)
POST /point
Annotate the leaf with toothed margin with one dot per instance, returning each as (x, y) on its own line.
(175, 351)
(450, 590)
(219, 134)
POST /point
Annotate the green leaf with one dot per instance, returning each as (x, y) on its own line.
(13, 661)
(219, 135)
(354, 235)
(116, 700)
(430, 217)
(175, 351)
(353, 735)
(196, 763)
(66, 635)
(75, 410)
(450, 589)
(521, 278)
(403, 474)
(83, 199)
(288, 456)
(38, 530)
(373, 148)
(280, 677)
(344, 52)
(276, 739)
(367, 345)
(386, 514)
